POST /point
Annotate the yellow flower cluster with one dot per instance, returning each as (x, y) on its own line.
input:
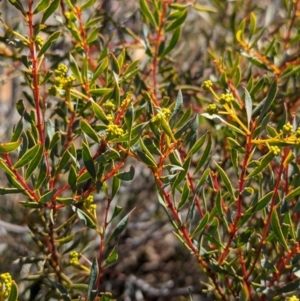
(61, 79)
(275, 150)
(126, 101)
(115, 130)
(39, 42)
(207, 85)
(74, 258)
(5, 285)
(212, 109)
(61, 70)
(109, 117)
(89, 203)
(293, 298)
(109, 105)
(226, 98)
(157, 118)
(166, 113)
(287, 128)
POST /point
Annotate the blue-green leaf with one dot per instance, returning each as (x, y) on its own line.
(127, 175)
(92, 290)
(48, 43)
(119, 228)
(248, 106)
(88, 160)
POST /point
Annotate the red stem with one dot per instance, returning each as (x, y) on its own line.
(272, 207)
(242, 179)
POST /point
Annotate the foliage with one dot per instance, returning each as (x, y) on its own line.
(225, 161)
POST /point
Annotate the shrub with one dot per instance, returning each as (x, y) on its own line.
(223, 156)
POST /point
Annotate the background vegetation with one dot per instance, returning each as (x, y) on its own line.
(154, 152)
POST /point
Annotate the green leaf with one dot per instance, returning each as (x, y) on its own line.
(262, 203)
(187, 126)
(116, 212)
(147, 160)
(87, 4)
(87, 129)
(214, 116)
(48, 43)
(184, 196)
(262, 165)
(202, 224)
(179, 21)
(18, 5)
(115, 186)
(290, 287)
(225, 179)
(182, 174)
(4, 190)
(115, 65)
(87, 220)
(93, 35)
(47, 196)
(119, 228)
(148, 15)
(173, 42)
(204, 8)
(178, 104)
(35, 162)
(100, 91)
(74, 68)
(5, 168)
(253, 22)
(88, 161)
(65, 239)
(32, 205)
(17, 131)
(205, 154)
(131, 69)
(10, 146)
(197, 146)
(92, 290)
(22, 111)
(13, 295)
(248, 106)
(27, 157)
(292, 193)
(66, 201)
(42, 174)
(265, 104)
(54, 140)
(41, 6)
(112, 257)
(106, 297)
(99, 112)
(243, 237)
(63, 161)
(235, 145)
(121, 57)
(244, 293)
(99, 70)
(72, 179)
(50, 10)
(127, 175)
(277, 229)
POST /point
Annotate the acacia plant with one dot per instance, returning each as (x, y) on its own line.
(223, 155)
